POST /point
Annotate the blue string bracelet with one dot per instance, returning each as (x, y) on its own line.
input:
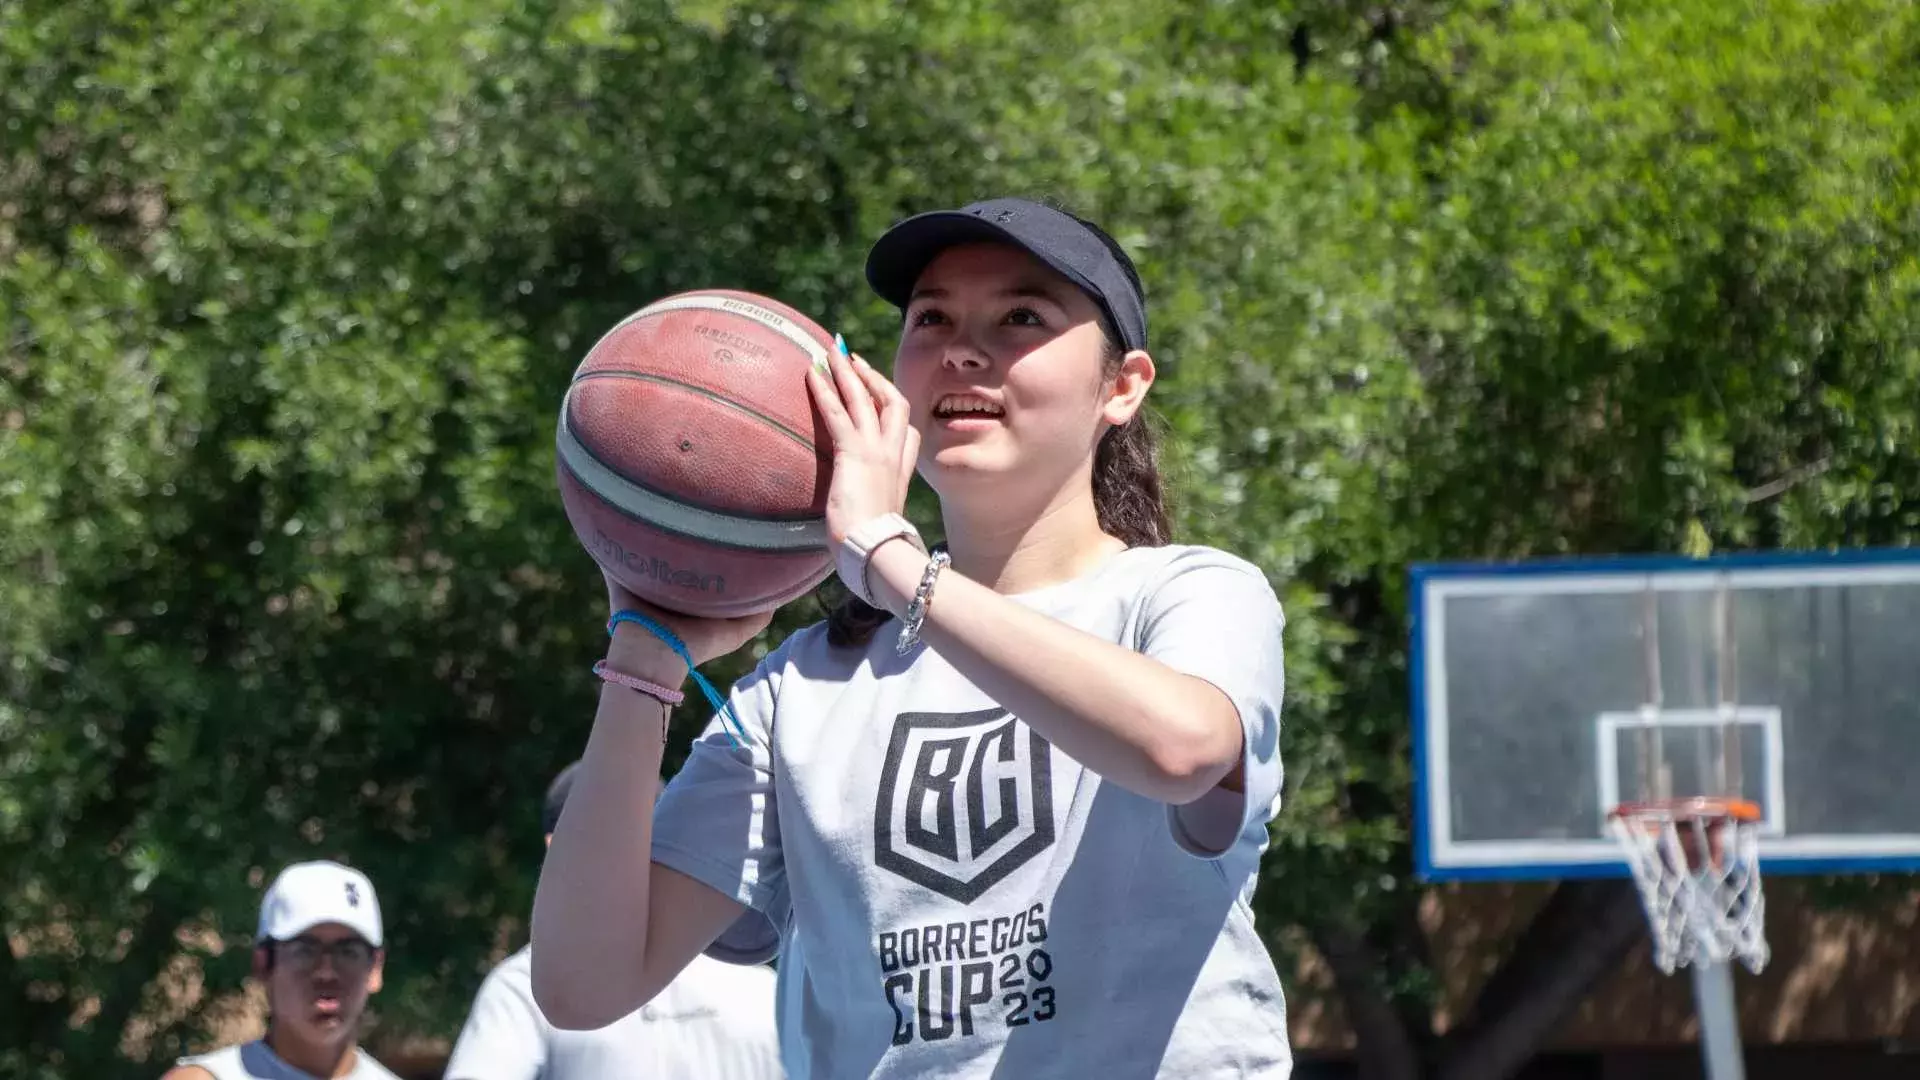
(727, 720)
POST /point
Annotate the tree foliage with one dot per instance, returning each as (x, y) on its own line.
(288, 294)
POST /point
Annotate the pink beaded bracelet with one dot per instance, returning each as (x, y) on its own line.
(652, 690)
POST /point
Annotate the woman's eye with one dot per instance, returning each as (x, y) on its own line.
(1025, 317)
(928, 317)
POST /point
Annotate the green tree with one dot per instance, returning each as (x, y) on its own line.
(289, 293)
(1666, 295)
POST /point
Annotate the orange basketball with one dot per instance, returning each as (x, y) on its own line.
(692, 462)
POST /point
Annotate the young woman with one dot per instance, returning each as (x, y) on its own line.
(1011, 811)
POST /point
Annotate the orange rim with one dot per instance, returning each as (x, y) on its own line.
(1696, 808)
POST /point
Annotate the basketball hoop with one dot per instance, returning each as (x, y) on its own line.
(1697, 864)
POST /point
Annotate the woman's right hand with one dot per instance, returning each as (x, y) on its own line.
(638, 652)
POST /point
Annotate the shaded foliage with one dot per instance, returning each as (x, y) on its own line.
(288, 294)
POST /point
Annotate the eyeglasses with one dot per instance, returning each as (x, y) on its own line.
(350, 956)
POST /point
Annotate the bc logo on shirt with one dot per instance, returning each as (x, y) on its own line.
(965, 799)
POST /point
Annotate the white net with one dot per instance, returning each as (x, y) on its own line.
(1699, 878)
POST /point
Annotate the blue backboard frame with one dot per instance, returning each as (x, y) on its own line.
(1423, 575)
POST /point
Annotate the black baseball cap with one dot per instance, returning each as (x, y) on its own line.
(1079, 250)
(557, 798)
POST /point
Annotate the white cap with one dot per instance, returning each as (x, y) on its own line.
(310, 893)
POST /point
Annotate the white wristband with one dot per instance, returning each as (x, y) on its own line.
(854, 554)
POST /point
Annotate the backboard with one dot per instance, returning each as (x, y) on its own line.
(1546, 693)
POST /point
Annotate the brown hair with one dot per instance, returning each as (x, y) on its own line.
(1128, 496)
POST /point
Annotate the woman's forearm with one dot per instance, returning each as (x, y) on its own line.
(1128, 717)
(590, 912)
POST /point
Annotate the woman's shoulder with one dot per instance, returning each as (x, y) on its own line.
(807, 653)
(1154, 565)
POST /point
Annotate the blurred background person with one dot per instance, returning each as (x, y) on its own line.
(715, 1021)
(319, 952)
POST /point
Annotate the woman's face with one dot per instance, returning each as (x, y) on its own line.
(1004, 363)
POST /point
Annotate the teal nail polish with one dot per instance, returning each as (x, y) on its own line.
(840, 344)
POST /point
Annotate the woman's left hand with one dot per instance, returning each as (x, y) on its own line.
(875, 444)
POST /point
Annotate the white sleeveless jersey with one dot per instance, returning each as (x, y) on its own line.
(715, 1021)
(257, 1061)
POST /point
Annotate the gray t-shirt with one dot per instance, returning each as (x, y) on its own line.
(716, 1020)
(974, 903)
(257, 1061)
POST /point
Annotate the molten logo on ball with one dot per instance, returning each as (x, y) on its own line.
(656, 568)
(732, 345)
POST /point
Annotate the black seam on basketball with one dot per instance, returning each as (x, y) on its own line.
(669, 496)
(697, 522)
(704, 539)
(703, 392)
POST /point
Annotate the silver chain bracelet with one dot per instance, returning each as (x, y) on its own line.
(917, 610)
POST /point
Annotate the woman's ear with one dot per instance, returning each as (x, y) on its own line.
(1127, 390)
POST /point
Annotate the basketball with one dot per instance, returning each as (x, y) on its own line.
(692, 463)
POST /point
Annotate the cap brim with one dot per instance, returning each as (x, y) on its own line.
(900, 256)
(285, 934)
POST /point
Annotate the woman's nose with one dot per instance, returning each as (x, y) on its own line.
(963, 354)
